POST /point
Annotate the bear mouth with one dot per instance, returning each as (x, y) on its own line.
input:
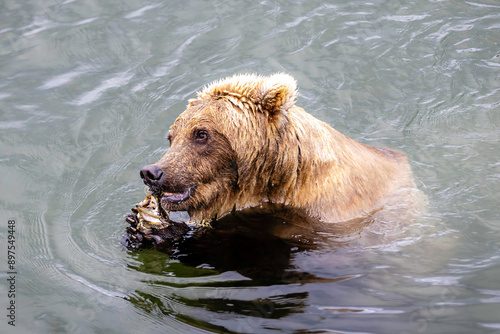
(176, 198)
(175, 201)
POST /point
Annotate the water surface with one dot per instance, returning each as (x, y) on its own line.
(88, 90)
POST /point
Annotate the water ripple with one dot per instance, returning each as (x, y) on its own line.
(65, 78)
(89, 89)
(118, 80)
(140, 11)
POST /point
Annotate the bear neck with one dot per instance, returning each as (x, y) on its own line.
(310, 165)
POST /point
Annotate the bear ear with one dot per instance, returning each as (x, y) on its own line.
(277, 93)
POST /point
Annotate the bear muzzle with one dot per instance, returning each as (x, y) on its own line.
(153, 177)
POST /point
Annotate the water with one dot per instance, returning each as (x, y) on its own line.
(89, 88)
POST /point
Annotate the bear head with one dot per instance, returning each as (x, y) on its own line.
(224, 148)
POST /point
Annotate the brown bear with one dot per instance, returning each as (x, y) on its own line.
(244, 143)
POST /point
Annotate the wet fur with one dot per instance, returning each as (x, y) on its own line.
(262, 148)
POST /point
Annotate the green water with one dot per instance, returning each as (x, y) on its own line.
(89, 88)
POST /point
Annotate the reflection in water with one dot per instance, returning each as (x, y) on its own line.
(246, 250)
(275, 307)
(260, 244)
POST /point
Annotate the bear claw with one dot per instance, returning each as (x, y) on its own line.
(154, 238)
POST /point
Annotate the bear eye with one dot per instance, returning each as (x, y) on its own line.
(201, 136)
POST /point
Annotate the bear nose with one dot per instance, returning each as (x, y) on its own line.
(151, 175)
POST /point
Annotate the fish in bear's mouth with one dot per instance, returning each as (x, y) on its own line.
(153, 213)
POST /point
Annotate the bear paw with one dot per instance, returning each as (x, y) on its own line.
(162, 239)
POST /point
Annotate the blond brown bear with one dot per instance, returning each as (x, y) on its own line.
(244, 143)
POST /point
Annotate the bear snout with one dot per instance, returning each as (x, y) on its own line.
(152, 176)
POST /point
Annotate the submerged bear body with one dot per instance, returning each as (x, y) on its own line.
(244, 143)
